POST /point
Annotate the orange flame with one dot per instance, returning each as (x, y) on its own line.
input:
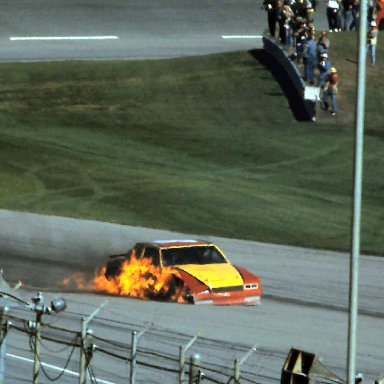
(137, 278)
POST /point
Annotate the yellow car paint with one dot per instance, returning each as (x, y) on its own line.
(214, 275)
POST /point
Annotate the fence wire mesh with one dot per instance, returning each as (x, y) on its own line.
(157, 354)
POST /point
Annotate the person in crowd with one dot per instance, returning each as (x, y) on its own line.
(281, 19)
(295, 26)
(339, 15)
(324, 68)
(300, 37)
(330, 91)
(323, 44)
(309, 58)
(270, 6)
(372, 41)
(288, 26)
(325, 39)
(310, 6)
(371, 10)
(301, 9)
(333, 15)
(321, 49)
(354, 26)
(347, 6)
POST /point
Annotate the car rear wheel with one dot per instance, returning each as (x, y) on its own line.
(114, 267)
(174, 290)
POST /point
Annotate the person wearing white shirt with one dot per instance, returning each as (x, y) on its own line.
(333, 9)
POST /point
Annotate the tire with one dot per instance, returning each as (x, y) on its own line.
(113, 267)
(175, 290)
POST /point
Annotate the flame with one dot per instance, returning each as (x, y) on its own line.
(137, 278)
(79, 280)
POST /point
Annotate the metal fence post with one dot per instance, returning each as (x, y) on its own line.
(4, 315)
(237, 371)
(238, 363)
(132, 372)
(182, 352)
(88, 350)
(135, 338)
(195, 374)
(36, 353)
(83, 377)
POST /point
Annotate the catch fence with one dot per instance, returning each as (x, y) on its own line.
(115, 352)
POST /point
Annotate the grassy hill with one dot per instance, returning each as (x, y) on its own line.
(205, 145)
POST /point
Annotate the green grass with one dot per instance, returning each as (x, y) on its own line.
(206, 145)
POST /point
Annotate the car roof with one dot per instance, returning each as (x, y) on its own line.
(175, 243)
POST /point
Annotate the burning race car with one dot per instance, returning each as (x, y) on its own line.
(188, 271)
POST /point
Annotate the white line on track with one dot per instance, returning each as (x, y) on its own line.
(242, 36)
(37, 38)
(54, 368)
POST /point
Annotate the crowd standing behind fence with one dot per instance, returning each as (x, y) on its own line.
(295, 22)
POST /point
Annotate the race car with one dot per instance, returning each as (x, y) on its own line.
(200, 272)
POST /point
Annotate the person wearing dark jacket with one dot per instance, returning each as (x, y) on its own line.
(309, 56)
(281, 20)
(270, 6)
(347, 14)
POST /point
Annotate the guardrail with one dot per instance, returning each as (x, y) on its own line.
(290, 79)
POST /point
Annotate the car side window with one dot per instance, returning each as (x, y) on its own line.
(152, 254)
(136, 251)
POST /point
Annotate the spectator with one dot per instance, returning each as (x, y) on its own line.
(339, 21)
(310, 7)
(281, 19)
(300, 37)
(330, 90)
(333, 15)
(372, 41)
(323, 44)
(347, 14)
(309, 56)
(371, 10)
(301, 9)
(321, 49)
(325, 39)
(270, 6)
(355, 13)
(324, 68)
(288, 26)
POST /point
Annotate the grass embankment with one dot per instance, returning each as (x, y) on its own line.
(205, 145)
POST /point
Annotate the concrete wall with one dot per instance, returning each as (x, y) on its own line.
(290, 79)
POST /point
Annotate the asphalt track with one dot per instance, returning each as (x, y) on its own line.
(305, 301)
(306, 291)
(101, 29)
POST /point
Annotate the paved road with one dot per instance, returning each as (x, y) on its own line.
(136, 28)
(305, 302)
